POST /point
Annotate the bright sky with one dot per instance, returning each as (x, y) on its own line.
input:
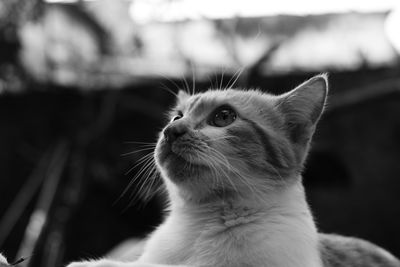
(143, 11)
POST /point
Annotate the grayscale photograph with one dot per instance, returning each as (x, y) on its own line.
(199, 133)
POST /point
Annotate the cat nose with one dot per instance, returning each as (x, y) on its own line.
(174, 131)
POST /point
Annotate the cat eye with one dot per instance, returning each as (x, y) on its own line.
(223, 116)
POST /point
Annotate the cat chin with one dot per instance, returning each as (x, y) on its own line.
(177, 168)
(181, 163)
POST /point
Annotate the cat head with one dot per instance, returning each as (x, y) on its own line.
(226, 143)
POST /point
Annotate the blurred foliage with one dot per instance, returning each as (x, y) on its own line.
(96, 44)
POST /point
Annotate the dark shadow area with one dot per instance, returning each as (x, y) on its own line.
(324, 169)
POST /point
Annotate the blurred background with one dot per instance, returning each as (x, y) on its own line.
(83, 82)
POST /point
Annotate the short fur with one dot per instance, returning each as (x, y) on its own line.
(236, 195)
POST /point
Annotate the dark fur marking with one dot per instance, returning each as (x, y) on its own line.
(299, 133)
(270, 151)
(243, 139)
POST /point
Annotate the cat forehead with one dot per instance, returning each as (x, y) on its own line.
(241, 99)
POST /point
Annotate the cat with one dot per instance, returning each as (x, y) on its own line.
(231, 161)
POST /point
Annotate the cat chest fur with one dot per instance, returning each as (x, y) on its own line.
(234, 237)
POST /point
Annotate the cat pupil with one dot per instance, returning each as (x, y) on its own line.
(224, 117)
(225, 114)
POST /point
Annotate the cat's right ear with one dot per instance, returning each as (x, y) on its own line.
(303, 106)
(182, 96)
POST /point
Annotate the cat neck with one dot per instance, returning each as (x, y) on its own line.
(289, 198)
(283, 217)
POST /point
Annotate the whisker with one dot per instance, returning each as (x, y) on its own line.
(222, 138)
(222, 79)
(142, 170)
(144, 188)
(193, 77)
(144, 158)
(150, 192)
(244, 180)
(226, 164)
(276, 171)
(237, 74)
(136, 151)
(171, 81)
(140, 143)
(169, 90)
(216, 80)
(214, 170)
(210, 80)
(186, 85)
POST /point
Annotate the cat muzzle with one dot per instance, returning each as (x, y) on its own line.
(174, 131)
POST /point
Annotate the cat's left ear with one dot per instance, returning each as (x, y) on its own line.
(303, 106)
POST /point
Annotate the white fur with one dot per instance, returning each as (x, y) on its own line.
(276, 232)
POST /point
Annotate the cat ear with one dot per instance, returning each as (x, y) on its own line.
(182, 95)
(303, 106)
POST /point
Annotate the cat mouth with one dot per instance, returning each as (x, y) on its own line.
(178, 155)
(166, 153)
(179, 158)
(180, 169)
(184, 165)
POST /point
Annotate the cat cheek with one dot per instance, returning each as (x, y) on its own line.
(162, 150)
(213, 132)
(214, 137)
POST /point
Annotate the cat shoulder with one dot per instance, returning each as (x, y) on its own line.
(341, 251)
